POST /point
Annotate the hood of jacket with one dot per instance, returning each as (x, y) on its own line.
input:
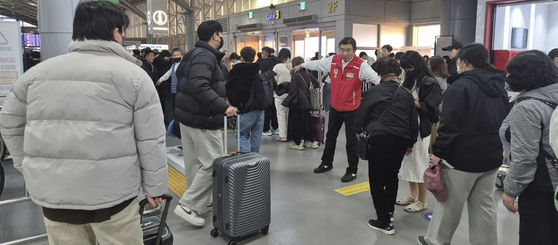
(490, 81)
(548, 93)
(206, 45)
(244, 71)
(103, 47)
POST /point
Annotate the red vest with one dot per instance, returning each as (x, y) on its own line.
(345, 84)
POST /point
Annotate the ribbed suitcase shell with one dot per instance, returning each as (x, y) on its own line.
(241, 194)
(319, 127)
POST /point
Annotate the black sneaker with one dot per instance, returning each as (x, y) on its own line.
(348, 177)
(422, 241)
(324, 167)
(387, 229)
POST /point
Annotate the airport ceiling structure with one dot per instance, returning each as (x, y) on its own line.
(26, 10)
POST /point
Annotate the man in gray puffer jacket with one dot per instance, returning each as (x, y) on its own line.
(86, 130)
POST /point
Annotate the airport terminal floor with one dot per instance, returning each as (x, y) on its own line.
(306, 209)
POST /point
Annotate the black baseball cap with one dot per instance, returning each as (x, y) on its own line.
(454, 45)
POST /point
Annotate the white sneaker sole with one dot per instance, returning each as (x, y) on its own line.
(197, 221)
(390, 232)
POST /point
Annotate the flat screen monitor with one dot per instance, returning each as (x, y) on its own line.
(31, 40)
(519, 38)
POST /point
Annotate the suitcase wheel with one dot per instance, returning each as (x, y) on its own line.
(214, 233)
(265, 230)
(232, 242)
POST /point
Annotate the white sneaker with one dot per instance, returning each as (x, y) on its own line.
(189, 215)
(313, 145)
(275, 131)
(268, 133)
(297, 147)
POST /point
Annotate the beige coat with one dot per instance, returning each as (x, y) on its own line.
(86, 129)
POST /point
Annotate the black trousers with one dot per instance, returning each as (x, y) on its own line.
(385, 156)
(538, 218)
(301, 126)
(270, 118)
(336, 120)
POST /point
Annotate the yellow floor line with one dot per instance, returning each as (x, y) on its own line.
(177, 182)
(354, 189)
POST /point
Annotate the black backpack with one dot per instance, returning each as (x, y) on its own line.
(261, 95)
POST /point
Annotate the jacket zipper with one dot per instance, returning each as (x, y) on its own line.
(354, 97)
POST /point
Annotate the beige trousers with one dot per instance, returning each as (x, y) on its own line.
(122, 229)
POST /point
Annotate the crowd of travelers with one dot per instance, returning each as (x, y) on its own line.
(89, 136)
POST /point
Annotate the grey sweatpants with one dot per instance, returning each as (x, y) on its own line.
(200, 148)
(477, 189)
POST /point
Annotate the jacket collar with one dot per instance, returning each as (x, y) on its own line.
(206, 45)
(102, 46)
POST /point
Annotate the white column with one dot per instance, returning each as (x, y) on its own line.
(56, 19)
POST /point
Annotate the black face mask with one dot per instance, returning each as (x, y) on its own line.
(411, 74)
(220, 44)
(175, 60)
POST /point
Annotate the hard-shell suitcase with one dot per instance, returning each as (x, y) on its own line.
(319, 127)
(241, 195)
(155, 229)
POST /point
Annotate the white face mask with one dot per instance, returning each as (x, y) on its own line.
(459, 70)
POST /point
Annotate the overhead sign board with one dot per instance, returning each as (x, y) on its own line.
(157, 17)
(11, 59)
(155, 46)
(275, 16)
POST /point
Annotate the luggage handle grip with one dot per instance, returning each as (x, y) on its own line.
(167, 198)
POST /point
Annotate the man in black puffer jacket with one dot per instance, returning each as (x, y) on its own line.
(199, 107)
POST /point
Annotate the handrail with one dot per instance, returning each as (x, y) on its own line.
(26, 239)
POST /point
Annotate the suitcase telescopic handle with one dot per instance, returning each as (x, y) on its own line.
(162, 225)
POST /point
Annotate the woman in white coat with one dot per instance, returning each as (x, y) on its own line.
(283, 70)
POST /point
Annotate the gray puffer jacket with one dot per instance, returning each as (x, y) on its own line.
(529, 169)
(86, 129)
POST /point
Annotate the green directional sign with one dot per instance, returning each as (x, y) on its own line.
(113, 1)
(302, 6)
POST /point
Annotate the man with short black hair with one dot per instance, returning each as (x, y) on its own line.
(148, 66)
(239, 87)
(553, 54)
(200, 108)
(386, 50)
(347, 73)
(89, 135)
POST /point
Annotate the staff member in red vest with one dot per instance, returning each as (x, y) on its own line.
(347, 73)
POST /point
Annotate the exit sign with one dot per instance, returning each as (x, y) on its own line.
(250, 15)
(302, 6)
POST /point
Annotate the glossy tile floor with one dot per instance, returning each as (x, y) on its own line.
(305, 207)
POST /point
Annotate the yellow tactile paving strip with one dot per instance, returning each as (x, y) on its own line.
(354, 189)
(177, 182)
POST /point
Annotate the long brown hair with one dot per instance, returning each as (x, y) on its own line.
(438, 66)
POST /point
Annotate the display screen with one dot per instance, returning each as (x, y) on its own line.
(519, 38)
(31, 40)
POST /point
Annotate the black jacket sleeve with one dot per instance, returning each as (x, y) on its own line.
(232, 94)
(454, 112)
(430, 99)
(413, 123)
(198, 84)
(365, 108)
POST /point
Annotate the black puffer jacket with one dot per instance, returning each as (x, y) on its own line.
(473, 110)
(200, 96)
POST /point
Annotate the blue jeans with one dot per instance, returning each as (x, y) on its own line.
(327, 96)
(251, 129)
